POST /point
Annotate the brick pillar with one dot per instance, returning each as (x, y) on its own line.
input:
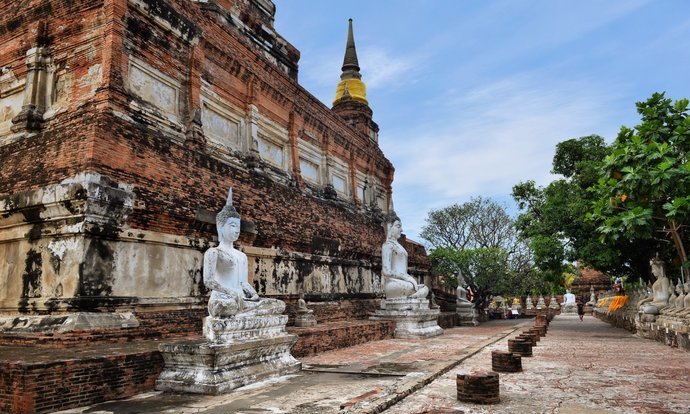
(502, 361)
(478, 387)
(520, 347)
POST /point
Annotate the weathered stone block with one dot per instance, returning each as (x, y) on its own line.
(412, 317)
(203, 367)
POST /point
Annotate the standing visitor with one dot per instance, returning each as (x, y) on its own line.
(580, 310)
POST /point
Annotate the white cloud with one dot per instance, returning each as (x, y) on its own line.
(492, 137)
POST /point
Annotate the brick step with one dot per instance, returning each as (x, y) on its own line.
(46, 380)
(340, 334)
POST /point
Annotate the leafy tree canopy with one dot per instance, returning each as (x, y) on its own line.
(643, 192)
(553, 218)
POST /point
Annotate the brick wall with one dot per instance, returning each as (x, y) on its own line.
(44, 387)
(104, 127)
(335, 335)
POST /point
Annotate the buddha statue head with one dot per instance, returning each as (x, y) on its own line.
(228, 222)
(393, 227)
(657, 267)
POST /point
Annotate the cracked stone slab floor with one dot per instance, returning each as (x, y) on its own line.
(584, 367)
(331, 382)
(579, 367)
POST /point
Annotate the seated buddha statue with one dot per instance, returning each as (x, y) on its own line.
(397, 283)
(659, 297)
(461, 292)
(226, 273)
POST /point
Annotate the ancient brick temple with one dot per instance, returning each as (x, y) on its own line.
(122, 125)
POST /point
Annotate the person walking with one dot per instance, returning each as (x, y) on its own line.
(580, 310)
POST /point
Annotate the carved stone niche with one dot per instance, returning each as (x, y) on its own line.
(36, 96)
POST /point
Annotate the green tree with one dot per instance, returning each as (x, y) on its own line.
(479, 223)
(478, 236)
(553, 218)
(644, 188)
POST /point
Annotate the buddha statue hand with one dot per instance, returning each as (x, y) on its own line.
(249, 292)
(224, 304)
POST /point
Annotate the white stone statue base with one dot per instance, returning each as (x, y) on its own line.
(412, 317)
(467, 316)
(237, 351)
(303, 320)
(569, 309)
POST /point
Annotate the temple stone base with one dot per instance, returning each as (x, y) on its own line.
(412, 317)
(304, 320)
(644, 325)
(236, 352)
(569, 309)
(241, 328)
(466, 315)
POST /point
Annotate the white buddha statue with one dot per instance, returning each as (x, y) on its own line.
(680, 298)
(528, 303)
(592, 296)
(686, 299)
(461, 292)
(569, 304)
(397, 283)
(659, 297)
(226, 273)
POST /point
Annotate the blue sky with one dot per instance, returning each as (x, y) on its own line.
(473, 96)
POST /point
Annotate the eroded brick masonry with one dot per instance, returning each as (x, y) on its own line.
(122, 125)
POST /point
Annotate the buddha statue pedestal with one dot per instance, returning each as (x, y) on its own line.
(245, 349)
(412, 317)
(569, 309)
(467, 316)
(303, 320)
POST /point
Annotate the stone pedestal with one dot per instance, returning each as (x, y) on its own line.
(466, 314)
(237, 351)
(569, 309)
(412, 317)
(303, 320)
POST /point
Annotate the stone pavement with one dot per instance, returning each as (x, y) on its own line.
(579, 367)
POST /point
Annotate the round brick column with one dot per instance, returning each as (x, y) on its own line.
(541, 320)
(527, 338)
(541, 330)
(502, 361)
(534, 335)
(478, 387)
(520, 347)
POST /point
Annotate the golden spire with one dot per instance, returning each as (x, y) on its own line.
(351, 85)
